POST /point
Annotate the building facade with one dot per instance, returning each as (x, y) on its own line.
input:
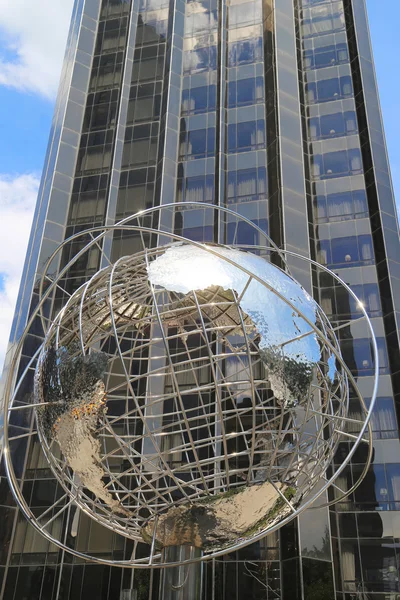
(270, 108)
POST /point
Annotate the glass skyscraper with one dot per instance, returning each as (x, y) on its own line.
(270, 108)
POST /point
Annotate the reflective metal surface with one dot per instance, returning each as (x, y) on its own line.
(191, 414)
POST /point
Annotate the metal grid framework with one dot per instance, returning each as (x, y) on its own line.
(190, 411)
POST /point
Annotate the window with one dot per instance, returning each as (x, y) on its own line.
(247, 184)
(244, 13)
(334, 164)
(341, 206)
(245, 52)
(326, 56)
(197, 189)
(136, 190)
(368, 294)
(383, 419)
(106, 71)
(351, 250)
(200, 59)
(199, 99)
(148, 63)
(246, 136)
(144, 102)
(111, 35)
(245, 92)
(346, 251)
(243, 233)
(335, 125)
(338, 303)
(197, 22)
(172, 448)
(197, 144)
(140, 145)
(329, 89)
(393, 479)
(95, 152)
(323, 19)
(357, 354)
(151, 28)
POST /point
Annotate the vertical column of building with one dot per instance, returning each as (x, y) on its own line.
(344, 221)
(197, 159)
(84, 154)
(242, 171)
(98, 165)
(121, 128)
(149, 159)
(287, 191)
(17, 542)
(244, 151)
(141, 169)
(289, 226)
(382, 204)
(167, 168)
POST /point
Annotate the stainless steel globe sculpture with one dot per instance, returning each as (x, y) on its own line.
(191, 394)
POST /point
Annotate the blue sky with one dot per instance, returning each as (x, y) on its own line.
(32, 40)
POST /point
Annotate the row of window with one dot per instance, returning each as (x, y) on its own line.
(242, 186)
(111, 35)
(343, 252)
(244, 92)
(340, 206)
(106, 71)
(115, 8)
(136, 191)
(242, 137)
(336, 164)
(151, 30)
(337, 302)
(239, 53)
(140, 145)
(335, 125)
(148, 63)
(326, 90)
(380, 490)
(323, 19)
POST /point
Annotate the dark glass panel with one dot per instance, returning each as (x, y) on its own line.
(291, 579)
(379, 566)
(289, 541)
(252, 581)
(393, 479)
(350, 565)
(347, 525)
(317, 579)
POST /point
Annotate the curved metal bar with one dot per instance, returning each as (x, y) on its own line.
(140, 215)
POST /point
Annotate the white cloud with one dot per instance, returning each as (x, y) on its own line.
(17, 202)
(34, 35)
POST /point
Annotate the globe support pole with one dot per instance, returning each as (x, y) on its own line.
(183, 582)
